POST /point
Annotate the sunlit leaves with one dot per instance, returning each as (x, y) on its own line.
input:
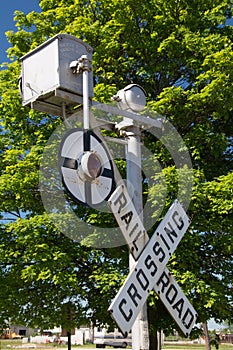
(181, 53)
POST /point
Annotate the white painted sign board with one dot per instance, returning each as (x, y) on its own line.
(176, 302)
(128, 220)
(150, 270)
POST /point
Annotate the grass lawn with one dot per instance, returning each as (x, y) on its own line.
(17, 344)
(195, 347)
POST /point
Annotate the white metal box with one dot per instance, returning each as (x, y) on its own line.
(47, 81)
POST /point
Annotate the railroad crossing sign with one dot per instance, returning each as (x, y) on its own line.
(87, 173)
(86, 167)
(150, 270)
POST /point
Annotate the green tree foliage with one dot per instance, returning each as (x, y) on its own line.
(181, 53)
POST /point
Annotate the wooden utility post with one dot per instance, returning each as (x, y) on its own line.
(207, 337)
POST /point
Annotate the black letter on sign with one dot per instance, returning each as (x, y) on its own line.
(180, 220)
(136, 238)
(127, 218)
(133, 295)
(158, 251)
(170, 232)
(150, 263)
(164, 279)
(122, 202)
(179, 306)
(188, 312)
(144, 283)
(172, 297)
(127, 317)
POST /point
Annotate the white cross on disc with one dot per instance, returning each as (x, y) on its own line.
(86, 167)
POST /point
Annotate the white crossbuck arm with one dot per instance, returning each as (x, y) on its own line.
(150, 270)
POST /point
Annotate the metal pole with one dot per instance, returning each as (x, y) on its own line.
(140, 333)
(69, 341)
(86, 117)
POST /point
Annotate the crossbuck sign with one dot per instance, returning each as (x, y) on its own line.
(150, 270)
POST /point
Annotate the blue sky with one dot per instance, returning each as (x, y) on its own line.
(7, 20)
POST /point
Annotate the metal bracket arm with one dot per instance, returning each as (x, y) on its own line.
(81, 65)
